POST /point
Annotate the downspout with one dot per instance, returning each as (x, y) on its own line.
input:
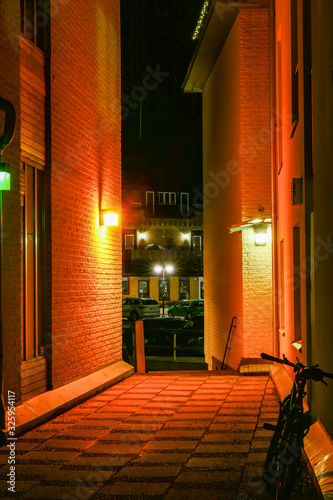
(275, 295)
(5, 139)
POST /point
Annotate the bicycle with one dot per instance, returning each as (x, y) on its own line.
(284, 465)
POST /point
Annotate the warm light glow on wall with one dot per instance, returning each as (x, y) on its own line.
(108, 218)
(186, 236)
(260, 235)
(142, 236)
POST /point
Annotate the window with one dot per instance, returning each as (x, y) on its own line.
(184, 292)
(150, 201)
(294, 64)
(33, 330)
(196, 242)
(125, 285)
(164, 289)
(34, 19)
(129, 241)
(143, 287)
(167, 198)
(297, 283)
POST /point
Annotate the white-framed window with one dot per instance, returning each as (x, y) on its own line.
(129, 241)
(166, 198)
(197, 242)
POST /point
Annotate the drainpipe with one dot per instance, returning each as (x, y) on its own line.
(5, 139)
(275, 295)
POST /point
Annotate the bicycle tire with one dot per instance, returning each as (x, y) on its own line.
(269, 473)
(289, 461)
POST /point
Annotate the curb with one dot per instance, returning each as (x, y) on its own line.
(41, 408)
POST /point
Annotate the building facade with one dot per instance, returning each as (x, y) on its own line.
(60, 269)
(162, 228)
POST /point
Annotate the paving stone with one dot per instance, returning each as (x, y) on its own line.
(75, 432)
(115, 448)
(218, 462)
(206, 492)
(162, 458)
(42, 470)
(64, 492)
(70, 444)
(223, 437)
(122, 437)
(107, 461)
(93, 475)
(133, 488)
(20, 487)
(180, 433)
(223, 448)
(149, 471)
(171, 445)
(50, 455)
(203, 476)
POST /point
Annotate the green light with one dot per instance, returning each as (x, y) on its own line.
(4, 178)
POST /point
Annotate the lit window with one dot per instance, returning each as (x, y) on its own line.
(167, 198)
(125, 285)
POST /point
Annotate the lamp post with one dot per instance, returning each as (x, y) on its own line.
(163, 269)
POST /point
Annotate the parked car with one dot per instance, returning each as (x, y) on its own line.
(138, 307)
(187, 308)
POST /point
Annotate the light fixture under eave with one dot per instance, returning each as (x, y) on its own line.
(297, 344)
(108, 218)
(249, 223)
(4, 178)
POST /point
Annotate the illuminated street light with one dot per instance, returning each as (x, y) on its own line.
(158, 269)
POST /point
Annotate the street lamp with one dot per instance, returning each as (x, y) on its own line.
(163, 269)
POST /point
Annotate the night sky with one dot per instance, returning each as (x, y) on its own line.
(156, 51)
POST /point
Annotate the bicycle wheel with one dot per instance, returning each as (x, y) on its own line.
(271, 468)
(289, 462)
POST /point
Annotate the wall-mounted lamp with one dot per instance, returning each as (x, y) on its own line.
(4, 178)
(297, 344)
(260, 234)
(108, 218)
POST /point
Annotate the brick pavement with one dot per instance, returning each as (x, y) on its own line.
(151, 436)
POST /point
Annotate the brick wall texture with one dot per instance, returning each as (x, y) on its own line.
(236, 149)
(85, 176)
(11, 268)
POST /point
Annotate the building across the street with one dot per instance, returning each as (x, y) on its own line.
(162, 245)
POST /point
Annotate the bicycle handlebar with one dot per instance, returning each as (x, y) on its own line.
(283, 361)
(309, 372)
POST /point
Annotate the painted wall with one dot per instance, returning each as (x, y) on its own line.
(322, 321)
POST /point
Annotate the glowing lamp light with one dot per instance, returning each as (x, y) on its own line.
(109, 218)
(169, 269)
(4, 178)
(260, 235)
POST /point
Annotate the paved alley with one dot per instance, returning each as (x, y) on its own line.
(151, 436)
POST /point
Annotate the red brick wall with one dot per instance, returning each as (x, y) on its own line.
(85, 176)
(11, 292)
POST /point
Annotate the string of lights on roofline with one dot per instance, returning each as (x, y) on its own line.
(201, 20)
